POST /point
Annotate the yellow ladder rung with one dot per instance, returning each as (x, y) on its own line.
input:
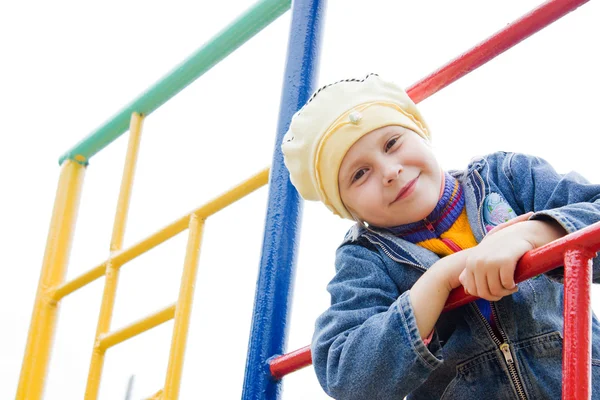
(77, 283)
(113, 338)
(120, 257)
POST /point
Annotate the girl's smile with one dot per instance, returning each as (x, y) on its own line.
(390, 177)
(407, 189)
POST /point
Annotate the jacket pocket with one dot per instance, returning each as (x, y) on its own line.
(539, 360)
(483, 377)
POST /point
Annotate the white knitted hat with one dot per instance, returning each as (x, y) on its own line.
(332, 120)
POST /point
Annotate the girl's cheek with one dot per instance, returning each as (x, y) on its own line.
(364, 198)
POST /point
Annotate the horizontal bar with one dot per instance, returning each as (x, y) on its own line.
(540, 260)
(77, 283)
(111, 339)
(122, 257)
(234, 194)
(290, 362)
(161, 236)
(533, 263)
(243, 189)
(220, 46)
(495, 45)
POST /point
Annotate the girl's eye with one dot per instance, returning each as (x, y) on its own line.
(359, 174)
(390, 144)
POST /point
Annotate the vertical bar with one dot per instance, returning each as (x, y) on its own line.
(277, 265)
(54, 266)
(135, 133)
(129, 387)
(577, 350)
(183, 309)
(106, 309)
(112, 269)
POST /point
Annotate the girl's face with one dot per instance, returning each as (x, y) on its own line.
(390, 177)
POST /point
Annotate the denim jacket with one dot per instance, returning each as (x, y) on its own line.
(367, 345)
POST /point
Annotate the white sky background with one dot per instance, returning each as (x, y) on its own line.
(68, 66)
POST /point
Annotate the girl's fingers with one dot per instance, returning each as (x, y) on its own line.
(462, 278)
(499, 291)
(467, 281)
(483, 290)
(487, 287)
(495, 285)
(507, 277)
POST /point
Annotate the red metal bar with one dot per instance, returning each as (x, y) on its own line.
(577, 349)
(540, 260)
(533, 263)
(290, 362)
(512, 34)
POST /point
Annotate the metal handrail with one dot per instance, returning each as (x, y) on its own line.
(216, 49)
(533, 263)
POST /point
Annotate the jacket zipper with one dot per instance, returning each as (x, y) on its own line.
(387, 253)
(429, 225)
(504, 347)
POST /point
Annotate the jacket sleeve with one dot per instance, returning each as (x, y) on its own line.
(569, 199)
(367, 344)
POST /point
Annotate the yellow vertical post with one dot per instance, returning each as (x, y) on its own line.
(106, 309)
(183, 309)
(54, 266)
(133, 147)
(112, 270)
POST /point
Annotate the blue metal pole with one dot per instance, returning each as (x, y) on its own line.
(278, 260)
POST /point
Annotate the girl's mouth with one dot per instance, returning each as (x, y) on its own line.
(407, 189)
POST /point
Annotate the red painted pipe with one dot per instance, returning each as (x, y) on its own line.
(577, 348)
(514, 33)
(290, 362)
(540, 260)
(533, 263)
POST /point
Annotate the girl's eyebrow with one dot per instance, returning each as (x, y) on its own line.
(393, 132)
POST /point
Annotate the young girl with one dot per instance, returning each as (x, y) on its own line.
(362, 148)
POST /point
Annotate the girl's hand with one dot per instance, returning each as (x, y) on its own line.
(490, 266)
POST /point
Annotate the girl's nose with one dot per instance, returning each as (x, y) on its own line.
(391, 173)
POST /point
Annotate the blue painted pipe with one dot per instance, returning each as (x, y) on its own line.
(273, 295)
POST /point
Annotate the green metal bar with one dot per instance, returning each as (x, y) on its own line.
(220, 46)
